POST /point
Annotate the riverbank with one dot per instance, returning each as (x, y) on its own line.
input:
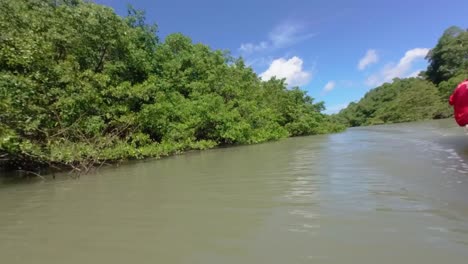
(83, 159)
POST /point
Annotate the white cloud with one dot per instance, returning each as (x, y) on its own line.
(283, 35)
(259, 61)
(249, 47)
(329, 86)
(414, 74)
(290, 69)
(288, 34)
(368, 59)
(400, 70)
(335, 108)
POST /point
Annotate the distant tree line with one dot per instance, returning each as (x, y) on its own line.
(421, 98)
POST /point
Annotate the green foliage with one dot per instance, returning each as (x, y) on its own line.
(79, 84)
(449, 57)
(403, 100)
(446, 87)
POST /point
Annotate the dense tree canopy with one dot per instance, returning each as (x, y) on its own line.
(79, 84)
(449, 57)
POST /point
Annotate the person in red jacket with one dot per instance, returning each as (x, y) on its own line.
(459, 101)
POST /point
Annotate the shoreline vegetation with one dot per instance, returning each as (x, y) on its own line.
(81, 87)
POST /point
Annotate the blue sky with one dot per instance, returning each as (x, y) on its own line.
(336, 50)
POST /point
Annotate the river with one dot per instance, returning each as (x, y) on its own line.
(383, 194)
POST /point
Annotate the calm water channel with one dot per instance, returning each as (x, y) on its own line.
(384, 194)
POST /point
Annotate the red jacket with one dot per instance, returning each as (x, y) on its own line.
(459, 100)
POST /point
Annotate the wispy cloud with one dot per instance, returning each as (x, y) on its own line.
(290, 69)
(329, 86)
(401, 70)
(335, 108)
(287, 34)
(371, 57)
(260, 61)
(250, 47)
(284, 35)
(415, 73)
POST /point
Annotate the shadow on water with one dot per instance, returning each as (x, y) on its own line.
(18, 178)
